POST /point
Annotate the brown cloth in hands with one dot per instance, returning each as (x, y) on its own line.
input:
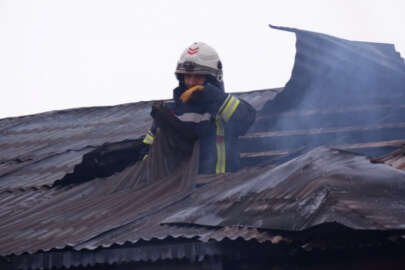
(174, 153)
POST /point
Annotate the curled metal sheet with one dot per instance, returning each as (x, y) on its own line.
(341, 93)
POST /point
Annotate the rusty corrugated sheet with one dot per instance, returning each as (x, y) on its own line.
(322, 186)
(148, 229)
(14, 202)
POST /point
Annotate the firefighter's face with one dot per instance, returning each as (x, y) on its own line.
(191, 80)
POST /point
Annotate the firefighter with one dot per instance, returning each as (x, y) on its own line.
(201, 103)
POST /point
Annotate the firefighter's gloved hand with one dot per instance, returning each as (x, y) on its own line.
(157, 105)
(188, 94)
(212, 97)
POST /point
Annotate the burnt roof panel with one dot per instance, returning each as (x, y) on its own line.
(321, 186)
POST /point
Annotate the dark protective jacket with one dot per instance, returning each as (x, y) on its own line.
(218, 119)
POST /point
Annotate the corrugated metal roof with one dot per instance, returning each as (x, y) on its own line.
(40, 149)
(118, 207)
(319, 187)
(192, 251)
(322, 186)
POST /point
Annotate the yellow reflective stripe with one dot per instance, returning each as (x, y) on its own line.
(220, 142)
(223, 105)
(230, 108)
(220, 127)
(148, 138)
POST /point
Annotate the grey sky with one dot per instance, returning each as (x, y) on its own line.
(58, 54)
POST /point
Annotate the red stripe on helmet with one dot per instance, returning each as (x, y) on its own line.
(192, 51)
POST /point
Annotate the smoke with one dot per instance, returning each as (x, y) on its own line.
(341, 93)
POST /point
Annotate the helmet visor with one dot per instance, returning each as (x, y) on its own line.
(189, 67)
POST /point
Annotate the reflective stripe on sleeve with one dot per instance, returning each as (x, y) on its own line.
(220, 142)
(148, 138)
(229, 107)
(194, 117)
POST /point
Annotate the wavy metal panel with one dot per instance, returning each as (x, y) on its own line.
(39, 149)
(192, 251)
(320, 187)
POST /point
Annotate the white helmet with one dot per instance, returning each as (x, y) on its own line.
(199, 58)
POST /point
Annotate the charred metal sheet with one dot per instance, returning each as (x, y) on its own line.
(322, 186)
